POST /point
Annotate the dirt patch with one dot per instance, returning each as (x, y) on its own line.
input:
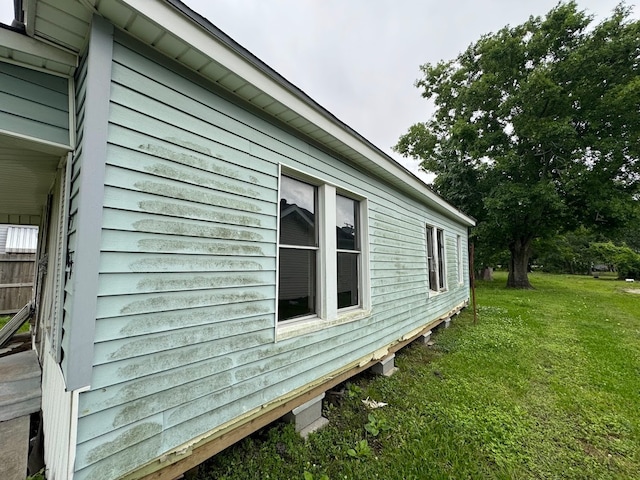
(633, 290)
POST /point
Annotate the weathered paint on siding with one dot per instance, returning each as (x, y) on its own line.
(185, 330)
(33, 103)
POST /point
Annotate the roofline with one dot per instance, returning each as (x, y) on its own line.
(249, 57)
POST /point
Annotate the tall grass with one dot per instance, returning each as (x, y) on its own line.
(545, 385)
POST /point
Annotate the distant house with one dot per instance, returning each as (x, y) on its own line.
(220, 249)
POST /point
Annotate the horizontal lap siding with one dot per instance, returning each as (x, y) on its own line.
(34, 103)
(185, 335)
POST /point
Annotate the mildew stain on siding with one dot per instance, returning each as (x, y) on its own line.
(145, 407)
(172, 209)
(216, 248)
(169, 264)
(171, 320)
(167, 301)
(194, 230)
(127, 438)
(184, 193)
(189, 160)
(197, 282)
(112, 396)
(169, 359)
(191, 146)
(202, 180)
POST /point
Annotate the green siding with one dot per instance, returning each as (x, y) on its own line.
(185, 329)
(33, 103)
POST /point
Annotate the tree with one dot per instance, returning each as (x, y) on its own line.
(536, 129)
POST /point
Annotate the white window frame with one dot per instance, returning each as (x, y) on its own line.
(327, 312)
(435, 255)
(460, 261)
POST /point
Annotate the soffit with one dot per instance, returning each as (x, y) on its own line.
(204, 49)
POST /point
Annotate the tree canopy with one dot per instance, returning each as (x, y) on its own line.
(536, 129)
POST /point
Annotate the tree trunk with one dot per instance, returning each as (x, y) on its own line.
(519, 264)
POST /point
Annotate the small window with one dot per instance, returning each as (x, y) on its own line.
(436, 257)
(348, 250)
(460, 260)
(298, 249)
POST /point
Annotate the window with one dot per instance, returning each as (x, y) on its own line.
(320, 266)
(348, 248)
(436, 259)
(298, 249)
(460, 264)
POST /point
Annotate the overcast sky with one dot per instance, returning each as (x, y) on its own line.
(359, 59)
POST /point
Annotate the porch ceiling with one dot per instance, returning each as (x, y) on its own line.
(27, 176)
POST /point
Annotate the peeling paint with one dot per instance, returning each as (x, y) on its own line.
(194, 230)
(188, 211)
(162, 245)
(185, 193)
(167, 301)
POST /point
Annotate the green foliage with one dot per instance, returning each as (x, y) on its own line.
(624, 259)
(310, 476)
(353, 391)
(361, 451)
(376, 425)
(537, 130)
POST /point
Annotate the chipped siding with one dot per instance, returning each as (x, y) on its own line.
(185, 330)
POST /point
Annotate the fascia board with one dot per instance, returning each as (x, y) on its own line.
(197, 36)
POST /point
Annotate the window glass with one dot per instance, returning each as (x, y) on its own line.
(347, 223)
(297, 213)
(431, 260)
(347, 279)
(441, 259)
(297, 283)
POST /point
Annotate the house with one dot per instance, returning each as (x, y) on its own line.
(220, 250)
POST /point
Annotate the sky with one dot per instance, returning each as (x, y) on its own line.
(359, 59)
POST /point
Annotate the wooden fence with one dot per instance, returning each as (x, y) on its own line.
(16, 281)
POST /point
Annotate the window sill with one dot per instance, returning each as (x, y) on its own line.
(296, 328)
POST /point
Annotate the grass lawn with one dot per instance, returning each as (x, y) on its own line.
(546, 385)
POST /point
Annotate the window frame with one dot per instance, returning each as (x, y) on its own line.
(436, 250)
(327, 311)
(460, 256)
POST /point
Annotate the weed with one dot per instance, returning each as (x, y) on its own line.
(361, 451)
(376, 425)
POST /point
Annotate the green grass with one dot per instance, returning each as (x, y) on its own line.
(4, 319)
(545, 386)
